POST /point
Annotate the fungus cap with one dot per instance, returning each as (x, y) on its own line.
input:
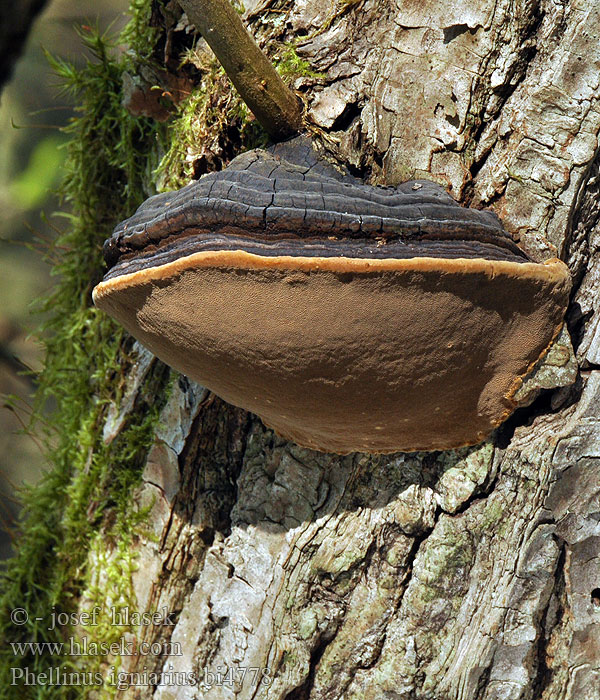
(348, 317)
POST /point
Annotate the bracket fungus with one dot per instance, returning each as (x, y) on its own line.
(348, 317)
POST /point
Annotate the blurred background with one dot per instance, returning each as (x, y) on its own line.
(31, 156)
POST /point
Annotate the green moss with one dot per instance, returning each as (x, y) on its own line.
(87, 488)
(80, 518)
(140, 36)
(290, 65)
(199, 123)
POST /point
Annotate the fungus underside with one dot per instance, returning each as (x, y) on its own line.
(312, 278)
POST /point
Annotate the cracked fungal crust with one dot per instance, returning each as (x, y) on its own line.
(350, 318)
(266, 204)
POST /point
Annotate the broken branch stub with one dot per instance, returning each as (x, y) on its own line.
(276, 107)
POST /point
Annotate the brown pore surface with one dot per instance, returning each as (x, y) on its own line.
(344, 355)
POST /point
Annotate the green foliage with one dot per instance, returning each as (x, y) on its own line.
(110, 156)
(42, 173)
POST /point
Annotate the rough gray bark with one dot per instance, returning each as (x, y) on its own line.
(472, 574)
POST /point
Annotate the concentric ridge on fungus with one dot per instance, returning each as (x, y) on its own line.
(348, 317)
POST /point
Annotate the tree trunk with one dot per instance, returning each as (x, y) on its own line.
(474, 574)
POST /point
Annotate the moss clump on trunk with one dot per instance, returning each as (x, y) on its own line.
(115, 160)
(87, 487)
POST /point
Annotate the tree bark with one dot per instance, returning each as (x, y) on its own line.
(471, 574)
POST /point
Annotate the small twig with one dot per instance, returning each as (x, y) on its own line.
(274, 105)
